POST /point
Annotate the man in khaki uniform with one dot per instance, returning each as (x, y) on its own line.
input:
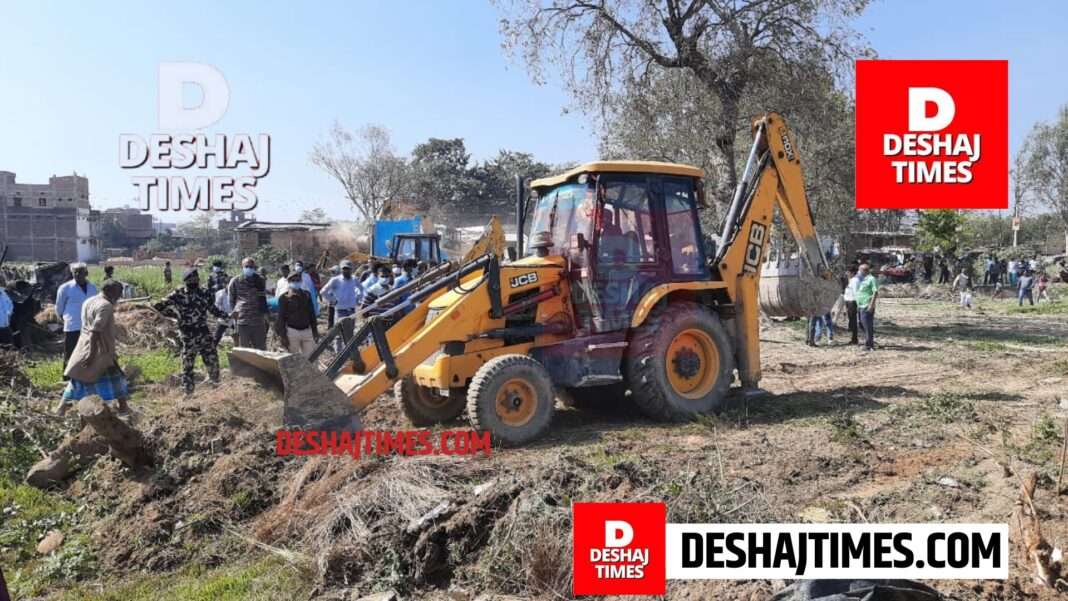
(93, 368)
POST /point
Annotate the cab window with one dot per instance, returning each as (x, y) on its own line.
(625, 234)
(681, 213)
(405, 248)
(563, 212)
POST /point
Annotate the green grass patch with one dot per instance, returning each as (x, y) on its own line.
(147, 279)
(990, 346)
(155, 366)
(1043, 446)
(268, 579)
(947, 406)
(26, 515)
(846, 429)
(46, 374)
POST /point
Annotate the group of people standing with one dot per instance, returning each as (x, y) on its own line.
(860, 291)
(250, 306)
(242, 303)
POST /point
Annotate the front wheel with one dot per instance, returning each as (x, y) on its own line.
(680, 362)
(511, 396)
(424, 406)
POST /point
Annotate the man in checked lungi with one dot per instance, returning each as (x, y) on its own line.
(93, 368)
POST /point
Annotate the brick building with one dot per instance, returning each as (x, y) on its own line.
(48, 222)
(137, 225)
(294, 238)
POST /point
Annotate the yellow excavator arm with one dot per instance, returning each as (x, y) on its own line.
(772, 177)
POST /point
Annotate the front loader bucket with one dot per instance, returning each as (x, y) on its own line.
(311, 400)
(786, 290)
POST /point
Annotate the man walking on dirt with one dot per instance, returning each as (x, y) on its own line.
(69, 300)
(866, 294)
(1024, 284)
(191, 306)
(963, 282)
(93, 368)
(248, 297)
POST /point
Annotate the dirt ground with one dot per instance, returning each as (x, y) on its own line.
(939, 424)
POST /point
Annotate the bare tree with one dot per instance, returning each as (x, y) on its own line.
(1023, 200)
(601, 46)
(370, 172)
(1046, 169)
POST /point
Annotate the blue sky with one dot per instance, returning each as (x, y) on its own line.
(73, 76)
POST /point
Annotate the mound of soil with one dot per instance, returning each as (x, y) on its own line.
(216, 468)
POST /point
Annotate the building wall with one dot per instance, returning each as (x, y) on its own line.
(47, 222)
(138, 225)
(294, 242)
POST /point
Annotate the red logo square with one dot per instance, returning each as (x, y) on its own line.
(932, 134)
(619, 548)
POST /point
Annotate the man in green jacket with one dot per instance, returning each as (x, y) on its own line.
(866, 294)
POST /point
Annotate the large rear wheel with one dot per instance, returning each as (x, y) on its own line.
(424, 406)
(679, 362)
(511, 396)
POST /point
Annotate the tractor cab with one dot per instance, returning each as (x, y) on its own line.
(421, 247)
(626, 227)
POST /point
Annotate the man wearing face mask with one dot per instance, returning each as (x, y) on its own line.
(296, 325)
(248, 297)
(93, 368)
(218, 278)
(308, 283)
(191, 305)
(345, 292)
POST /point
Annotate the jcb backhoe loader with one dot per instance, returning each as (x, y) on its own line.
(619, 292)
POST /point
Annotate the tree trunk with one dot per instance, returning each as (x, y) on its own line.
(724, 141)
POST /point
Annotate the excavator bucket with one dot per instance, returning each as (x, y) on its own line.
(311, 401)
(787, 290)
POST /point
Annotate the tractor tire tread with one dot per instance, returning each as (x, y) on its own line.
(649, 393)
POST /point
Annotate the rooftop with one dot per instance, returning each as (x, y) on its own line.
(620, 167)
(260, 226)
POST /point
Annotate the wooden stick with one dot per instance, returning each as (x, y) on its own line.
(1064, 451)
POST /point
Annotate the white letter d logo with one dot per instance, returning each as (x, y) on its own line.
(918, 99)
(173, 114)
(617, 533)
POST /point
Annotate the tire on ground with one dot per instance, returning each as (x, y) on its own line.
(424, 406)
(697, 341)
(511, 396)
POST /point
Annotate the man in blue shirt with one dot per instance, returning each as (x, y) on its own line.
(404, 279)
(6, 309)
(69, 300)
(345, 292)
